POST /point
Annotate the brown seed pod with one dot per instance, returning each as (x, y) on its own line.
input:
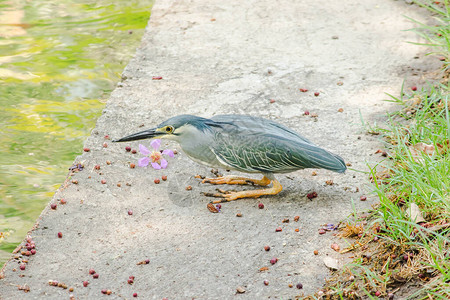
(212, 208)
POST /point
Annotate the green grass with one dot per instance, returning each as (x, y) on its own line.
(395, 254)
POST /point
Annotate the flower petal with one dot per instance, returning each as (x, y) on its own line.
(156, 166)
(163, 163)
(143, 161)
(168, 152)
(156, 144)
(144, 150)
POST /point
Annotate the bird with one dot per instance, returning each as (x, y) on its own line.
(243, 143)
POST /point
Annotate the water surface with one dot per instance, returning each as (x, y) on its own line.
(59, 61)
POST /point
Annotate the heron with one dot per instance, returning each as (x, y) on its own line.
(243, 143)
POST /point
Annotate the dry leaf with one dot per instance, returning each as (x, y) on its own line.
(331, 263)
(414, 213)
(418, 149)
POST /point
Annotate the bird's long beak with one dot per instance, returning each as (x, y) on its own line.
(146, 134)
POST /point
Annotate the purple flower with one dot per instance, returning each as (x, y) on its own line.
(154, 157)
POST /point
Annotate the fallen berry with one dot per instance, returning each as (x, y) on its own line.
(260, 205)
(311, 195)
(103, 181)
(299, 286)
(104, 291)
(303, 90)
(322, 231)
(340, 110)
(296, 230)
(130, 281)
(278, 229)
(164, 177)
(108, 162)
(147, 261)
(131, 277)
(238, 215)
(22, 266)
(134, 151)
(108, 292)
(105, 145)
(97, 167)
(316, 252)
(378, 293)
(132, 166)
(267, 248)
(306, 113)
(85, 283)
(91, 271)
(130, 212)
(95, 276)
(86, 149)
(33, 251)
(157, 181)
(134, 295)
(414, 88)
(63, 201)
(316, 94)
(335, 247)
(71, 289)
(60, 234)
(296, 218)
(53, 206)
(274, 260)
(128, 148)
(363, 198)
(106, 137)
(290, 285)
(266, 282)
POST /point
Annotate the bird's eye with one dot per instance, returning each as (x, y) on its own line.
(169, 129)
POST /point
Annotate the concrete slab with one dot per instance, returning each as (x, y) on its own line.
(219, 57)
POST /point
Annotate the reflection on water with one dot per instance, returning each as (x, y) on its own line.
(59, 60)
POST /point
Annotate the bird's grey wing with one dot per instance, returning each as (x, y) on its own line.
(261, 152)
(260, 125)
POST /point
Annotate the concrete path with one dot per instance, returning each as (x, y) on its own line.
(219, 57)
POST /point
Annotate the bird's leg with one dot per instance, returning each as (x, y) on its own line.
(231, 179)
(275, 189)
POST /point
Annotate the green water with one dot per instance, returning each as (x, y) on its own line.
(59, 60)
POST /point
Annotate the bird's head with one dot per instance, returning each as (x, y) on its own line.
(176, 128)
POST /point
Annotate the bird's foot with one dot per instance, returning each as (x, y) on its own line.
(231, 179)
(230, 196)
